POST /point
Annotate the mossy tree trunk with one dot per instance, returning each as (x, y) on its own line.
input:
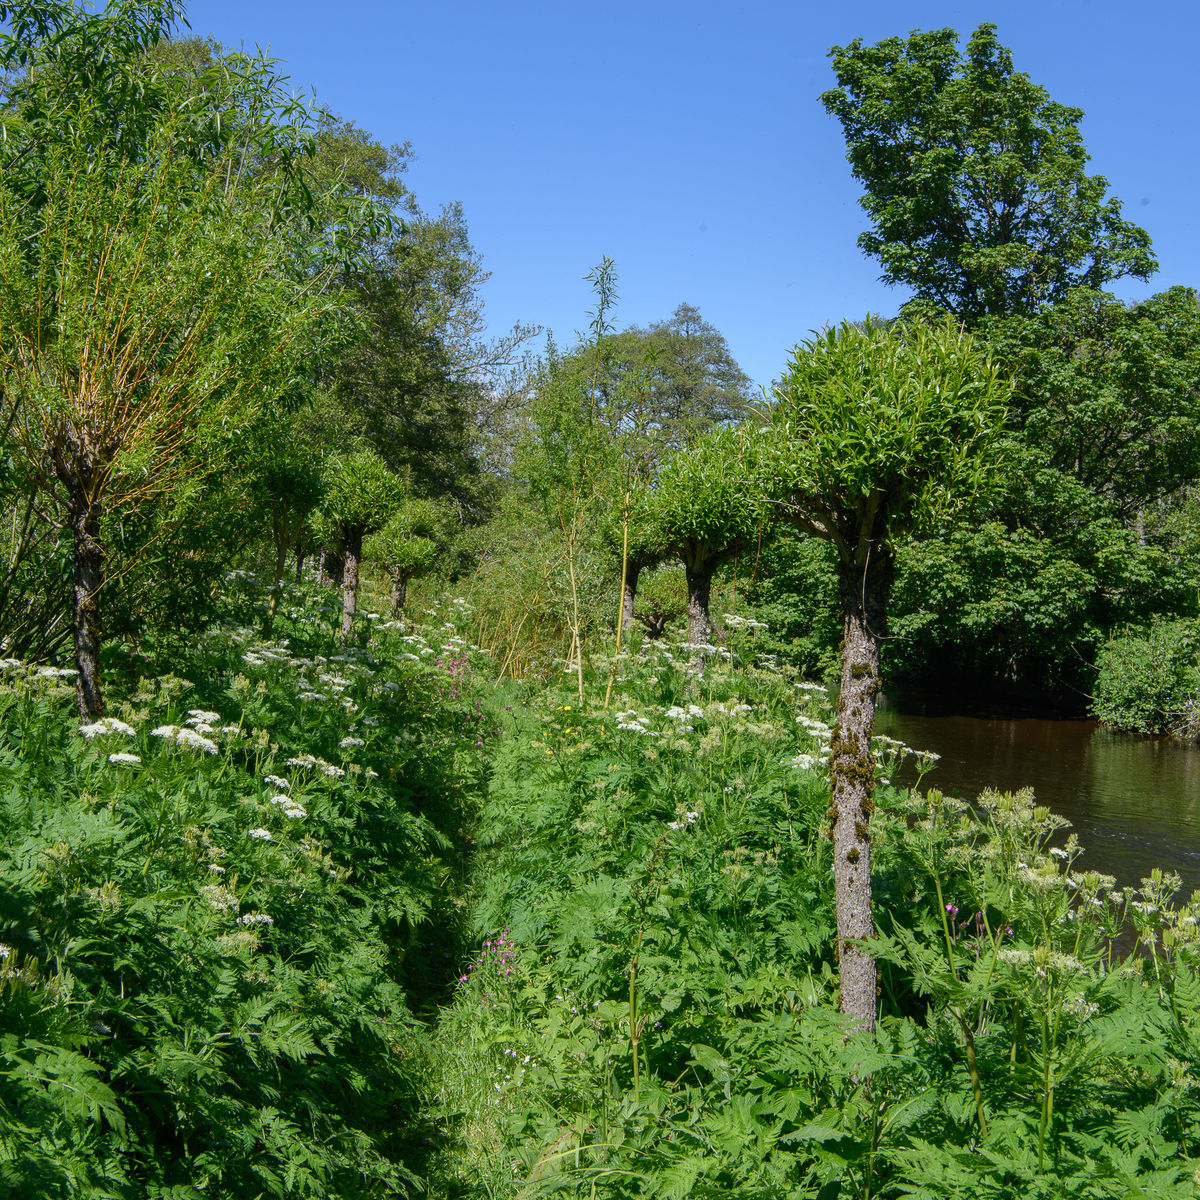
(864, 596)
(399, 593)
(352, 539)
(698, 568)
(632, 570)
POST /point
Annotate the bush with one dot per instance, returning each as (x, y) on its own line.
(1149, 678)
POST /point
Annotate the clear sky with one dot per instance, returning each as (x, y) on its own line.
(686, 140)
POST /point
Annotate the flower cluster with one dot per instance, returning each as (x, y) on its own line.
(493, 965)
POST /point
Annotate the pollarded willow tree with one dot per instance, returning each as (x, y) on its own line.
(874, 433)
(158, 283)
(706, 508)
(406, 546)
(360, 495)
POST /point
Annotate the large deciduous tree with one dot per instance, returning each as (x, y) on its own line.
(152, 297)
(689, 381)
(874, 431)
(1106, 430)
(974, 178)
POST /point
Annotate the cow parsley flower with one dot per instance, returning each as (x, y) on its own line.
(195, 741)
(107, 725)
(262, 835)
(122, 757)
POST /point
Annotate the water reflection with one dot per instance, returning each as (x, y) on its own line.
(1134, 802)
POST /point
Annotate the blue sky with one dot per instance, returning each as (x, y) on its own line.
(686, 140)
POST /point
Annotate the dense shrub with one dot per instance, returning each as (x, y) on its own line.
(1149, 678)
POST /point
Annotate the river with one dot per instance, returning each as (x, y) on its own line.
(1133, 802)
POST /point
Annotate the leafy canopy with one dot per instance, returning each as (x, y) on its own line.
(360, 493)
(974, 177)
(875, 431)
(704, 502)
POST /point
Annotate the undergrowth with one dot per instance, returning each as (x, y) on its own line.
(299, 920)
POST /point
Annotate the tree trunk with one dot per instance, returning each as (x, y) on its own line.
(281, 552)
(699, 588)
(399, 595)
(330, 568)
(300, 556)
(864, 596)
(351, 553)
(85, 613)
(632, 571)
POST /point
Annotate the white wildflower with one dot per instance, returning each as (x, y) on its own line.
(107, 725)
(255, 919)
(216, 870)
(277, 781)
(200, 716)
(220, 897)
(195, 741)
(347, 742)
(122, 757)
(262, 835)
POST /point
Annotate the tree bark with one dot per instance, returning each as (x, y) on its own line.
(399, 595)
(632, 571)
(300, 556)
(864, 595)
(699, 588)
(330, 568)
(281, 553)
(85, 613)
(351, 553)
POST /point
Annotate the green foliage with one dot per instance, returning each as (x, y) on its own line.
(974, 177)
(407, 545)
(1148, 679)
(704, 503)
(207, 909)
(881, 431)
(1003, 610)
(360, 493)
(661, 597)
(794, 592)
(678, 379)
(653, 888)
(1108, 394)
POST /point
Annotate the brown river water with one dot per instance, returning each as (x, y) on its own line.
(1133, 802)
